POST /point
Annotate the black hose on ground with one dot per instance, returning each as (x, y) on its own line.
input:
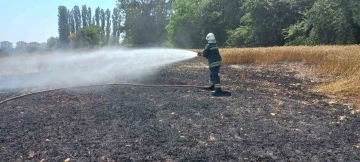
(128, 84)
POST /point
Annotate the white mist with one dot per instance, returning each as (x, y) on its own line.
(69, 69)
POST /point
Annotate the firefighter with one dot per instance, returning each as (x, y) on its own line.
(212, 54)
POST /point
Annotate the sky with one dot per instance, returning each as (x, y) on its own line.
(37, 20)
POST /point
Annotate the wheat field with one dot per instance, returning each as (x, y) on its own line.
(340, 61)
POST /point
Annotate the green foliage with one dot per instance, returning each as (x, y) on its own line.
(87, 37)
(243, 35)
(330, 21)
(145, 21)
(219, 16)
(263, 23)
(184, 13)
(355, 5)
(52, 43)
(235, 23)
(326, 22)
(168, 44)
(355, 8)
(182, 27)
(297, 34)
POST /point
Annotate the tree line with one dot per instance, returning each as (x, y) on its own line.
(254, 23)
(80, 27)
(236, 23)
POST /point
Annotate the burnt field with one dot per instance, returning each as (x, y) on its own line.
(272, 115)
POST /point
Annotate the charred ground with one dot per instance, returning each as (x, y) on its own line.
(272, 115)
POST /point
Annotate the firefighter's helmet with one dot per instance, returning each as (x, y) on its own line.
(210, 37)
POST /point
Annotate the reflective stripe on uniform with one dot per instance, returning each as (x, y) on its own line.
(212, 48)
(217, 86)
(214, 64)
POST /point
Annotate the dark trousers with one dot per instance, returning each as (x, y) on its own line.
(214, 76)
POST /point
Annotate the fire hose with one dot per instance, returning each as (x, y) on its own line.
(128, 84)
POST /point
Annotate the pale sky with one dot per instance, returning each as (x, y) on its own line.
(36, 20)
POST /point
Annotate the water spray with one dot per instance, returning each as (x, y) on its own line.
(74, 69)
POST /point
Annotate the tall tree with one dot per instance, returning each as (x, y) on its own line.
(72, 21)
(84, 14)
(108, 25)
(102, 19)
(97, 16)
(116, 18)
(64, 29)
(77, 17)
(89, 17)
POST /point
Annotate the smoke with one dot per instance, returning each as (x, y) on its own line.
(69, 69)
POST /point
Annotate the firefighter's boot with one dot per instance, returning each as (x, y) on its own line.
(217, 92)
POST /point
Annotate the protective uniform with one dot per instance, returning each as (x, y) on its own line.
(212, 54)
